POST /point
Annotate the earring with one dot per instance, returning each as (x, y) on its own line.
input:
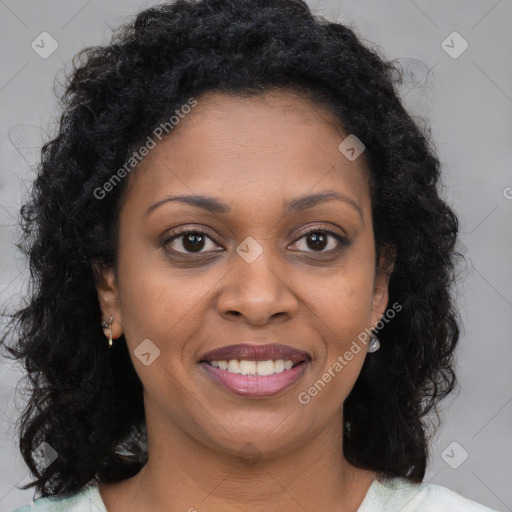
(374, 343)
(108, 325)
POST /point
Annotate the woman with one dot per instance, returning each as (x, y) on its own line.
(242, 269)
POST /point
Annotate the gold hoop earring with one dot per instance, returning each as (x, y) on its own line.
(108, 325)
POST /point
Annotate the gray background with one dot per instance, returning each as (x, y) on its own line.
(468, 103)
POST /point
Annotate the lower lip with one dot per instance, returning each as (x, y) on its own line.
(256, 386)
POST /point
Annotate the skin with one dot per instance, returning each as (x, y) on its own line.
(210, 449)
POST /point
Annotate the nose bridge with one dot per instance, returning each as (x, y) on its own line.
(256, 289)
(255, 268)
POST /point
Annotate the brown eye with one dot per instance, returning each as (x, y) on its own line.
(190, 241)
(317, 240)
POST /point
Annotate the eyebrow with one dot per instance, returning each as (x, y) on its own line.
(301, 203)
(304, 202)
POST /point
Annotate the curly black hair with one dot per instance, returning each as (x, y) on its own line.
(86, 401)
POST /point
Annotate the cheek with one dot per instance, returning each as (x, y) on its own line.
(157, 306)
(344, 302)
(342, 315)
(158, 302)
(147, 297)
(343, 309)
(344, 336)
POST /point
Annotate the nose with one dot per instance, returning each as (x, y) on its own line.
(257, 292)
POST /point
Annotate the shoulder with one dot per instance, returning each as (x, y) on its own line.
(406, 496)
(87, 500)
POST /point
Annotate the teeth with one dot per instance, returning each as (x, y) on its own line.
(245, 367)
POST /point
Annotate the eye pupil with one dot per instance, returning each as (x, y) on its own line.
(319, 240)
(193, 241)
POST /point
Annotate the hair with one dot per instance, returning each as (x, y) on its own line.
(86, 401)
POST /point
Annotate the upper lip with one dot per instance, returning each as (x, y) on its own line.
(252, 352)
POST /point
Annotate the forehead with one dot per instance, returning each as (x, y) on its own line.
(264, 113)
(279, 141)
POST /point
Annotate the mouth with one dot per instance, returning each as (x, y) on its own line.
(252, 352)
(255, 370)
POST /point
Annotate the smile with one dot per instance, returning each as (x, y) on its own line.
(255, 379)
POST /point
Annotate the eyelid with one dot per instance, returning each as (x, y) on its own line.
(320, 227)
(191, 229)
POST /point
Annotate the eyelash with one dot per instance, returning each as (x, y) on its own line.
(342, 241)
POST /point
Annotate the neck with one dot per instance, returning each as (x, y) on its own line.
(185, 473)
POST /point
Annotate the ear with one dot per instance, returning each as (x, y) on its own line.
(108, 297)
(380, 291)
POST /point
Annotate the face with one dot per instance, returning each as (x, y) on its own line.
(265, 260)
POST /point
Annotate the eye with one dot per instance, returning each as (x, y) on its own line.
(317, 240)
(189, 241)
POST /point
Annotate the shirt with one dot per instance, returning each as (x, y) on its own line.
(391, 494)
